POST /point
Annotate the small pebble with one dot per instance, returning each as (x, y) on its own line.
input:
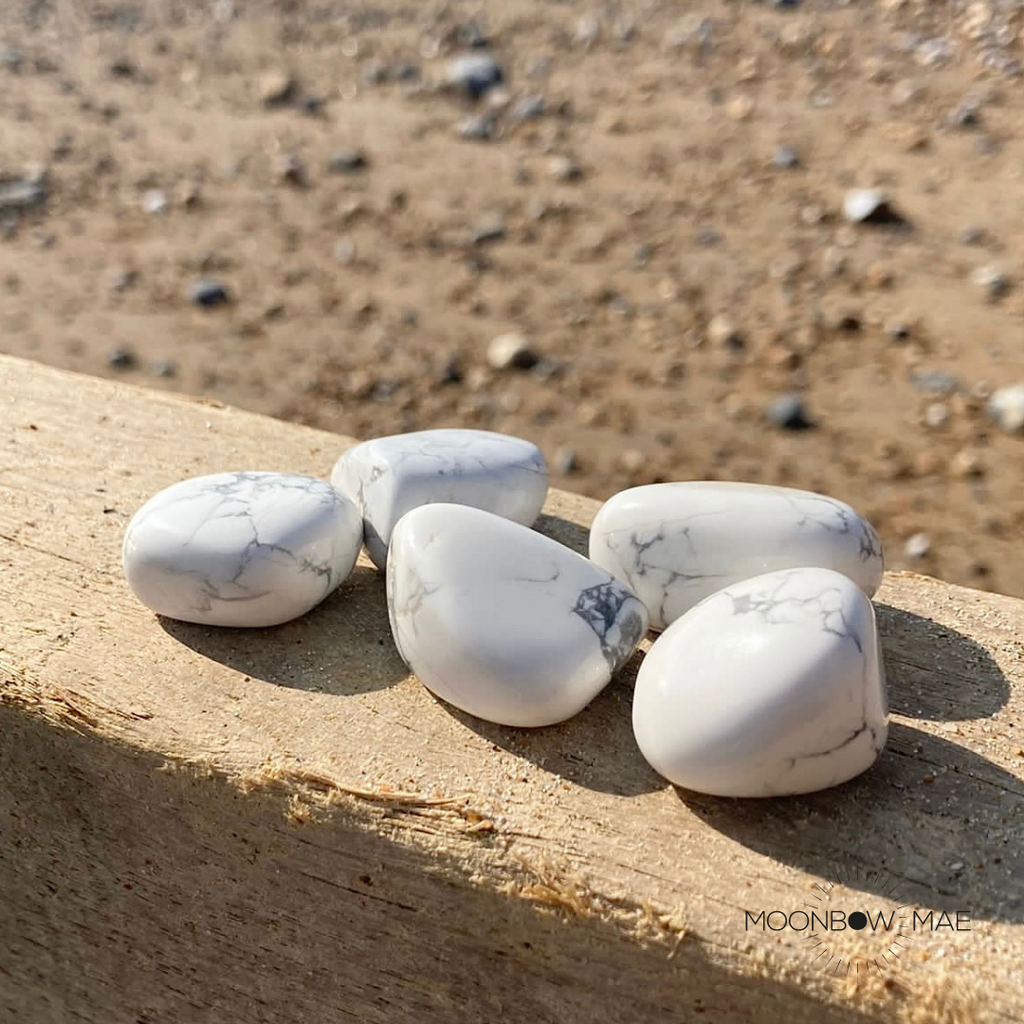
(344, 251)
(878, 275)
(189, 195)
(917, 546)
(905, 91)
(1006, 407)
(933, 53)
(621, 305)
(122, 359)
(373, 72)
(966, 463)
(348, 161)
(740, 108)
(588, 29)
(122, 280)
(722, 331)
(451, 370)
(935, 382)
(20, 194)
(154, 201)
(405, 72)
(63, 146)
(788, 412)
(472, 35)
(537, 209)
(624, 30)
(122, 68)
(10, 58)
(642, 255)
(896, 328)
(566, 461)
(509, 402)
(936, 415)
(529, 108)
(833, 261)
(207, 292)
(163, 368)
(499, 100)
(813, 214)
(276, 88)
(632, 460)
(692, 30)
(785, 158)
(475, 74)
(511, 351)
(545, 369)
(490, 228)
(966, 114)
(288, 168)
(479, 127)
(846, 320)
(870, 206)
(992, 279)
(564, 169)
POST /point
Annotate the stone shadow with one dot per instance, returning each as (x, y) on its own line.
(935, 672)
(594, 748)
(929, 813)
(343, 646)
(145, 875)
(572, 535)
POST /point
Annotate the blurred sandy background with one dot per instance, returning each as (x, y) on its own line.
(288, 207)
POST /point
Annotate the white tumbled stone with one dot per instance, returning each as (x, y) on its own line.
(676, 543)
(241, 549)
(389, 476)
(503, 622)
(770, 687)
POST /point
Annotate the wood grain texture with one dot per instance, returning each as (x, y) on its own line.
(281, 825)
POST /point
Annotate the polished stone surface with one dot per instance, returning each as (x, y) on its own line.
(501, 621)
(389, 476)
(241, 549)
(770, 687)
(676, 543)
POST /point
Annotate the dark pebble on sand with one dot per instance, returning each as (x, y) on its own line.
(788, 412)
(475, 74)
(207, 292)
(122, 359)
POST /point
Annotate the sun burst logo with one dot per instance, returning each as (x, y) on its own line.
(856, 921)
(850, 931)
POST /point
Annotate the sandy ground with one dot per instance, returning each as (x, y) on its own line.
(627, 215)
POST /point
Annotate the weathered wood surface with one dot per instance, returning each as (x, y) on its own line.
(220, 825)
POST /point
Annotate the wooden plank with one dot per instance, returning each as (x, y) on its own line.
(216, 825)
